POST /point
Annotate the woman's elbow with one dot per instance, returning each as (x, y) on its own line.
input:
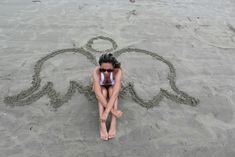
(116, 93)
(97, 96)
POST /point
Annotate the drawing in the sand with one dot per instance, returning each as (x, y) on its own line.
(37, 89)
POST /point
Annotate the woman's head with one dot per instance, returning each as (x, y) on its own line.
(108, 60)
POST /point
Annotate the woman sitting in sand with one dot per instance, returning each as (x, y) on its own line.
(106, 85)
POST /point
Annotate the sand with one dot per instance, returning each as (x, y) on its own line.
(177, 91)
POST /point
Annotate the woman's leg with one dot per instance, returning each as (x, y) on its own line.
(103, 128)
(117, 113)
(112, 130)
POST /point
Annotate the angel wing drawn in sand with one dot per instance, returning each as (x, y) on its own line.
(40, 87)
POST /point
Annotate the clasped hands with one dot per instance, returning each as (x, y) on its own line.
(117, 113)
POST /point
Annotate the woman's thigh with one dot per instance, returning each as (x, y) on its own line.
(104, 92)
(110, 91)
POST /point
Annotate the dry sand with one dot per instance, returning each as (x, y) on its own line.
(178, 90)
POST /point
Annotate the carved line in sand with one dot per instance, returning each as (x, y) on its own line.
(90, 43)
(32, 94)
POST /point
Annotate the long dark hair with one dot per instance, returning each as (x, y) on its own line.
(109, 58)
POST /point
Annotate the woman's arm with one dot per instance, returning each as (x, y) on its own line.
(116, 89)
(97, 89)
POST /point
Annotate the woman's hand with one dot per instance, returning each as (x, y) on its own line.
(104, 116)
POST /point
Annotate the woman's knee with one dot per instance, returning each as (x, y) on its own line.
(104, 92)
(110, 91)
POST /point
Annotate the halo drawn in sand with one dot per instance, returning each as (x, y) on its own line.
(36, 90)
(89, 45)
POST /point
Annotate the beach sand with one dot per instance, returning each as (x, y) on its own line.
(178, 90)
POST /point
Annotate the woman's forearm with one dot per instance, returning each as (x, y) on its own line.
(104, 103)
(102, 100)
(116, 89)
(111, 102)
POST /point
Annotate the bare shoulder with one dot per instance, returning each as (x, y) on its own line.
(118, 74)
(95, 73)
(119, 71)
(95, 70)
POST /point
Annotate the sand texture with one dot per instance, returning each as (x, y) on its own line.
(177, 93)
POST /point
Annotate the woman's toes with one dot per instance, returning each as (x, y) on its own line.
(111, 136)
(103, 137)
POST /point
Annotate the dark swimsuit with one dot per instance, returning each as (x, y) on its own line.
(106, 83)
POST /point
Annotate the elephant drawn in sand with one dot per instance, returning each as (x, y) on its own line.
(41, 88)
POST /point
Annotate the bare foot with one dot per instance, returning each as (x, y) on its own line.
(117, 113)
(112, 132)
(103, 131)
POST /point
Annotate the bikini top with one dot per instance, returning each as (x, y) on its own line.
(109, 81)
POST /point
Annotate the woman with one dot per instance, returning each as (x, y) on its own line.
(106, 85)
